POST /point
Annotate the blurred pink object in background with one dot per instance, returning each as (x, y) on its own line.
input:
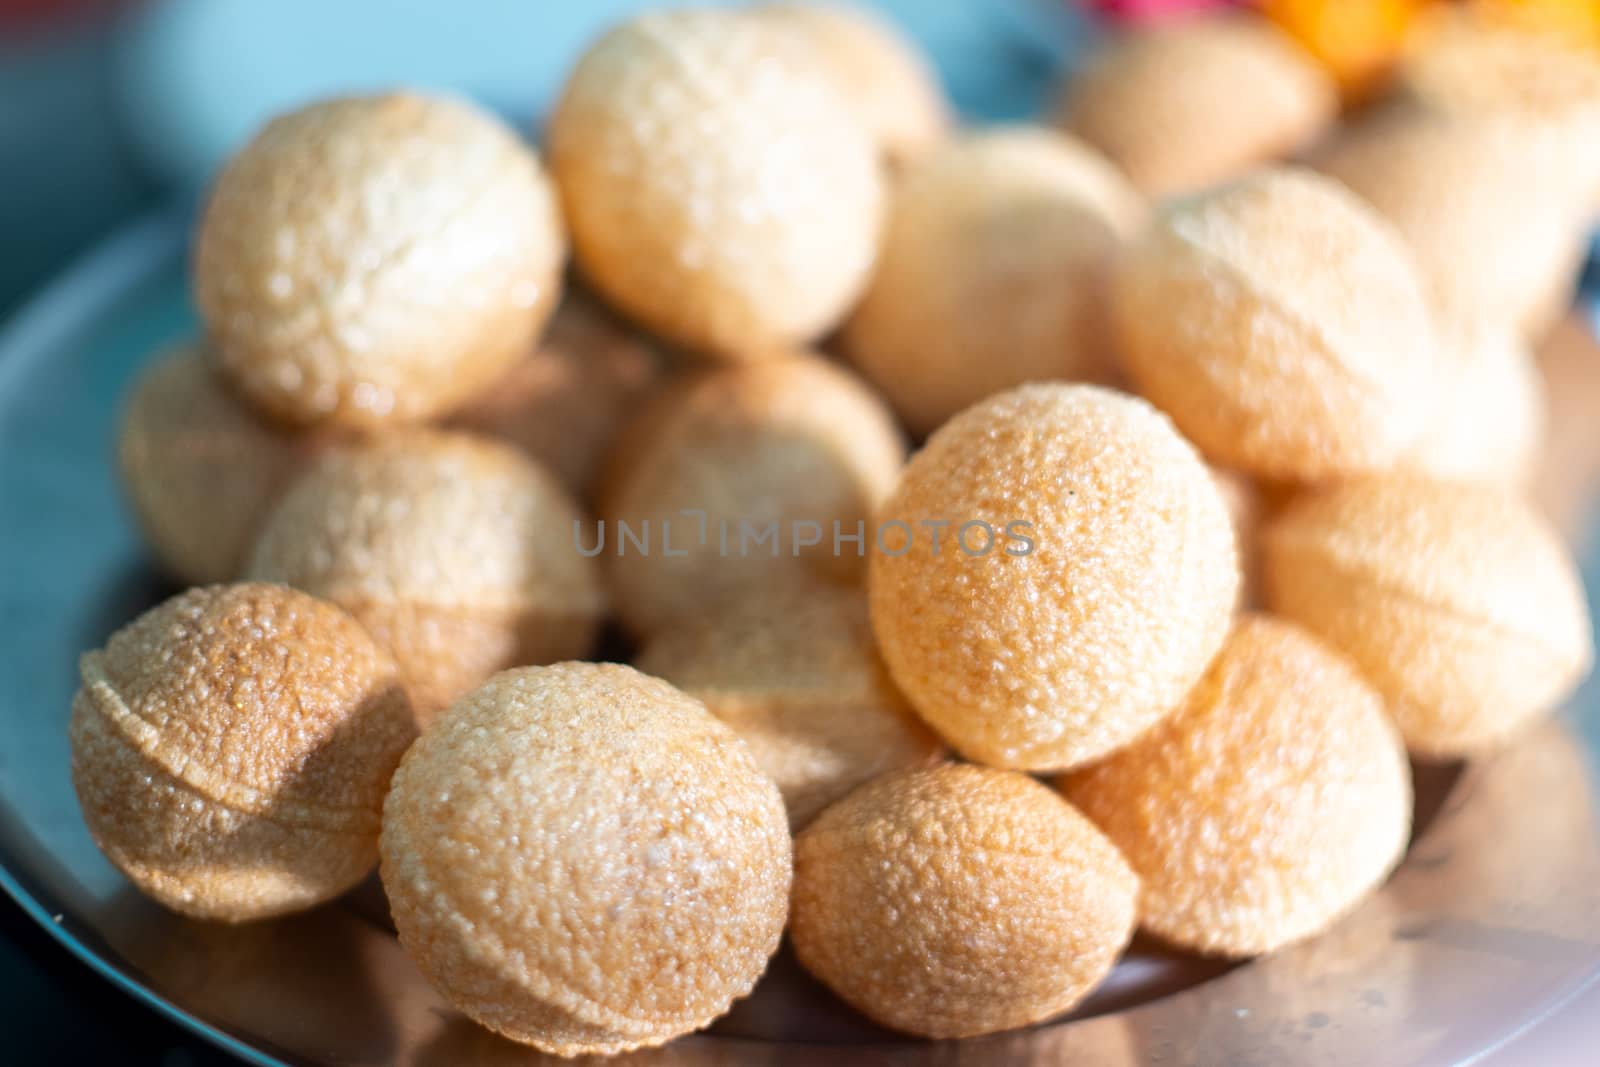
(1146, 10)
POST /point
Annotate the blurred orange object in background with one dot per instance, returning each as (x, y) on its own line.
(1358, 40)
(1576, 21)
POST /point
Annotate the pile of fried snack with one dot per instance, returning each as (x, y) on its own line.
(1228, 421)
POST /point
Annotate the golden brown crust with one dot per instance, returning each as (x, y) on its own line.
(646, 924)
(688, 209)
(994, 271)
(1270, 804)
(1458, 602)
(1282, 324)
(959, 901)
(1045, 659)
(367, 260)
(232, 748)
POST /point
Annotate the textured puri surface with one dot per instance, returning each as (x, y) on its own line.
(1046, 659)
(231, 749)
(959, 901)
(1272, 802)
(1458, 602)
(583, 859)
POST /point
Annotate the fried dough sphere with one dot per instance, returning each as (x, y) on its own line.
(376, 259)
(720, 459)
(583, 859)
(994, 271)
(959, 900)
(798, 678)
(1270, 804)
(719, 188)
(1045, 655)
(457, 552)
(200, 468)
(877, 70)
(231, 748)
(1283, 326)
(1458, 602)
(1197, 101)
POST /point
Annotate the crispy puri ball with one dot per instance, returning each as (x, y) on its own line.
(994, 271)
(1565, 489)
(570, 396)
(880, 72)
(374, 259)
(959, 900)
(1197, 101)
(1283, 326)
(798, 678)
(582, 859)
(719, 188)
(1267, 806)
(1489, 422)
(1109, 580)
(456, 552)
(721, 459)
(1489, 215)
(1457, 601)
(231, 748)
(200, 468)
(1246, 506)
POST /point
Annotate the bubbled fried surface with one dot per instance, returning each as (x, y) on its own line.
(583, 859)
(798, 677)
(1458, 602)
(371, 259)
(1198, 101)
(958, 901)
(994, 271)
(232, 746)
(786, 440)
(718, 187)
(1270, 804)
(1283, 326)
(457, 552)
(199, 467)
(1052, 658)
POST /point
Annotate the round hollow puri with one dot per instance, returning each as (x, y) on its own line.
(1458, 602)
(1283, 326)
(799, 680)
(1267, 806)
(199, 467)
(458, 553)
(1198, 101)
(231, 748)
(739, 478)
(375, 259)
(959, 900)
(1109, 580)
(719, 188)
(647, 924)
(994, 271)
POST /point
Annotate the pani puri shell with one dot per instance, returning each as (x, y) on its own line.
(994, 271)
(1269, 805)
(582, 859)
(799, 679)
(731, 451)
(1047, 657)
(457, 553)
(1458, 602)
(877, 69)
(370, 260)
(565, 402)
(718, 187)
(959, 900)
(1283, 326)
(200, 468)
(1196, 101)
(231, 748)
(1569, 363)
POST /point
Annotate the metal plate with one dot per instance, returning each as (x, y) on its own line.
(1492, 922)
